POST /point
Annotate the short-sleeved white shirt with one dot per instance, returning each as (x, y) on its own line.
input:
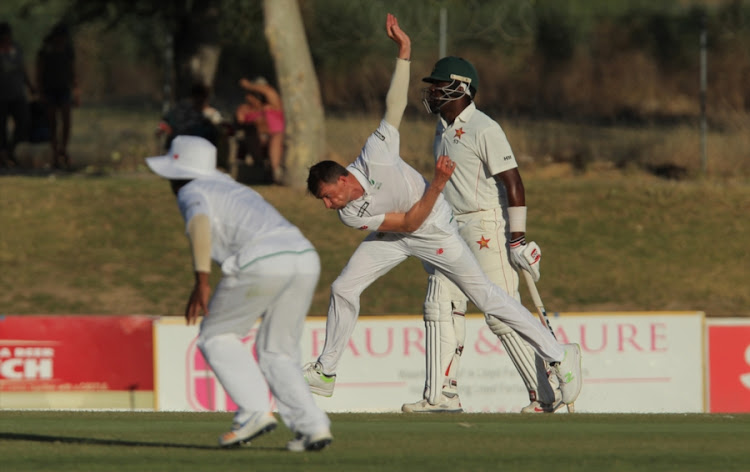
(480, 149)
(390, 185)
(243, 225)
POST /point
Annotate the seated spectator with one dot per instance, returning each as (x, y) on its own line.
(253, 142)
(273, 115)
(192, 116)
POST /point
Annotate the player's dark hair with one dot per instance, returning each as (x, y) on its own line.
(324, 171)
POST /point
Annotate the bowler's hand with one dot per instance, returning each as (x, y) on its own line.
(444, 168)
(198, 303)
(398, 36)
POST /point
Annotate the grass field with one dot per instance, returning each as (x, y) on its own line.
(114, 441)
(116, 245)
(108, 239)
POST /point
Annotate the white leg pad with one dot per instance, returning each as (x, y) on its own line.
(440, 345)
(531, 367)
(450, 382)
(523, 358)
(432, 361)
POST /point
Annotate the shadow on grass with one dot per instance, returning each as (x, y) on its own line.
(117, 442)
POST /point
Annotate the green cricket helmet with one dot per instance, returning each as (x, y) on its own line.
(461, 78)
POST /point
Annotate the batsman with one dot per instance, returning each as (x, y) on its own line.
(488, 200)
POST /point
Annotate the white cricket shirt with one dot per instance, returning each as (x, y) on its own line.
(480, 149)
(390, 184)
(244, 227)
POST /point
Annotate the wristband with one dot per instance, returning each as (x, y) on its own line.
(519, 241)
(517, 219)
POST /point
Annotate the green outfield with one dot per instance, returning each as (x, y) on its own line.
(140, 441)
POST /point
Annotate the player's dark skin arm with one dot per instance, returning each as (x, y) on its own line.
(511, 179)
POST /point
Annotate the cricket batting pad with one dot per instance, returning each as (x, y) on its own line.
(440, 338)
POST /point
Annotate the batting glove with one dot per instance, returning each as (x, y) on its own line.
(526, 257)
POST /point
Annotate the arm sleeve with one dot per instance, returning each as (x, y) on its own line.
(395, 100)
(199, 233)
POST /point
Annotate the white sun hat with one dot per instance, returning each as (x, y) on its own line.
(189, 157)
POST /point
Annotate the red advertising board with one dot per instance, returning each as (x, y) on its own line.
(76, 353)
(729, 367)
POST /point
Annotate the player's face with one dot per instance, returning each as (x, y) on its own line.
(335, 196)
(433, 95)
(440, 94)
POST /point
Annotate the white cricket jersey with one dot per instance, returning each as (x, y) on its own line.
(244, 227)
(480, 149)
(390, 185)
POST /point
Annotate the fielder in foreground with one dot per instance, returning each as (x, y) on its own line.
(269, 271)
(380, 192)
(488, 199)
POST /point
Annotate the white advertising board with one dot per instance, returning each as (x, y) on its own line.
(632, 362)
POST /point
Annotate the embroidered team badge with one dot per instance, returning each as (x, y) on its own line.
(483, 243)
(459, 132)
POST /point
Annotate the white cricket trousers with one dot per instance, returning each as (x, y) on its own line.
(448, 252)
(279, 289)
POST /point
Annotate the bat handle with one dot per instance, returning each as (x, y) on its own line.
(537, 301)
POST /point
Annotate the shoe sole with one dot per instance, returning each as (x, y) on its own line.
(266, 429)
(319, 444)
(321, 392)
(543, 410)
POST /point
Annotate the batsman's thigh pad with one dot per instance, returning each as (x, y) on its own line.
(484, 232)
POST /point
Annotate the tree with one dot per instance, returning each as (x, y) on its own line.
(299, 88)
(197, 30)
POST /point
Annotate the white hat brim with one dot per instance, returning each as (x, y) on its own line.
(168, 168)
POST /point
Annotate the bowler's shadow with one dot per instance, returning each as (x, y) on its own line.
(118, 442)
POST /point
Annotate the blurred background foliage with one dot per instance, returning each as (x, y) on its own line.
(573, 77)
(612, 61)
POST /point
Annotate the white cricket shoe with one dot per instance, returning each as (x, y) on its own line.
(250, 429)
(539, 407)
(568, 372)
(445, 405)
(320, 383)
(310, 442)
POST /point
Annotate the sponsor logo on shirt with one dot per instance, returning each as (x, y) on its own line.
(508, 157)
(375, 185)
(363, 209)
(379, 135)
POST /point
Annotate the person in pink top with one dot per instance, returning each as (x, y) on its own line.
(270, 119)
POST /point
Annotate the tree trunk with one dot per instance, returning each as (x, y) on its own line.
(304, 139)
(196, 47)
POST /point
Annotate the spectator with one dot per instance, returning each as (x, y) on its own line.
(273, 113)
(59, 91)
(192, 116)
(253, 141)
(13, 101)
